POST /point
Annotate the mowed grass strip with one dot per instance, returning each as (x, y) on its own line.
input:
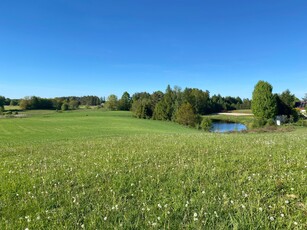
(42, 126)
(174, 179)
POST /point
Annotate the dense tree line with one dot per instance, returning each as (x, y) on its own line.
(59, 103)
(183, 106)
(85, 100)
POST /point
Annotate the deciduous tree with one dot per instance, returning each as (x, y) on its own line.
(185, 115)
(112, 102)
(125, 102)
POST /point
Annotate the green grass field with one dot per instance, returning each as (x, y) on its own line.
(92, 169)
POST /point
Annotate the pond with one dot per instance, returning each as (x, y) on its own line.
(221, 127)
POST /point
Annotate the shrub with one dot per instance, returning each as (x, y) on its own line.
(270, 122)
(64, 107)
(206, 124)
(186, 116)
(259, 122)
(294, 116)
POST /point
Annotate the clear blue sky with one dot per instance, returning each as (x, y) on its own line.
(98, 47)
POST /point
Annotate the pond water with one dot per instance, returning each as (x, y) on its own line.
(220, 127)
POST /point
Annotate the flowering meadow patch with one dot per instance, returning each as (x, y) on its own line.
(153, 179)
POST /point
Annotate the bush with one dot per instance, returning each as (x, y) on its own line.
(294, 116)
(64, 107)
(206, 124)
(259, 122)
(270, 122)
(186, 116)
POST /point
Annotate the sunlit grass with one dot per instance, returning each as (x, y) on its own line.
(108, 170)
(12, 107)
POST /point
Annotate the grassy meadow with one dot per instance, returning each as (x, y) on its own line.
(91, 169)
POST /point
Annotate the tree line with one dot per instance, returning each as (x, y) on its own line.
(183, 106)
(187, 106)
(59, 103)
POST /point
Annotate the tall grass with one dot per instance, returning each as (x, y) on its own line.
(156, 176)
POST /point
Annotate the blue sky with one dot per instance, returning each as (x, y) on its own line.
(98, 47)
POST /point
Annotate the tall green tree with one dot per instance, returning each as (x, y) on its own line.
(73, 104)
(112, 102)
(160, 111)
(2, 102)
(185, 115)
(264, 103)
(166, 108)
(288, 98)
(169, 102)
(156, 97)
(141, 108)
(125, 102)
(199, 100)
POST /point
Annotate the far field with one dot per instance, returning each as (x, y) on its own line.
(91, 169)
